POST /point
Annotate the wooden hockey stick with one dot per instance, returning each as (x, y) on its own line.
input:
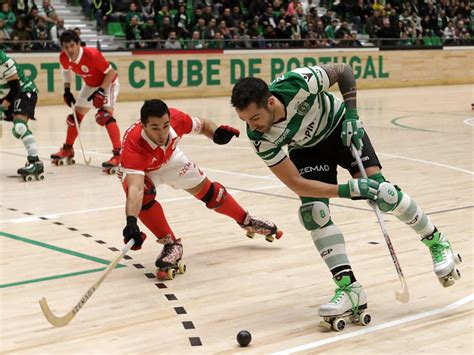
(76, 121)
(64, 320)
(402, 296)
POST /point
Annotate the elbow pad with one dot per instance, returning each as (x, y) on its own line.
(14, 90)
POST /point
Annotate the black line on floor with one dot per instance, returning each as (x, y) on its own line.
(87, 235)
(100, 241)
(188, 325)
(195, 341)
(73, 229)
(59, 224)
(180, 310)
(139, 266)
(171, 297)
(113, 249)
(150, 275)
(161, 285)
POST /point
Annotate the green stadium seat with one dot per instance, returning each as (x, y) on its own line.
(436, 41)
(115, 29)
(427, 41)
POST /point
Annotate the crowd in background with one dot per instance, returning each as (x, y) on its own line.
(196, 24)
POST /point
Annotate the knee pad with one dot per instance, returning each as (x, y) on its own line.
(388, 197)
(314, 215)
(20, 129)
(70, 119)
(215, 196)
(149, 194)
(103, 118)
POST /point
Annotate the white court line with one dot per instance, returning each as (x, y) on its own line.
(371, 329)
(428, 162)
(469, 121)
(57, 215)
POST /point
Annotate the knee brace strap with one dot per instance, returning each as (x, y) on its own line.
(70, 119)
(149, 194)
(20, 129)
(215, 196)
(314, 215)
(103, 118)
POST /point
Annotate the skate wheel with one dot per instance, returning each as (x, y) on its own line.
(458, 259)
(279, 234)
(447, 281)
(112, 171)
(161, 275)
(71, 161)
(181, 268)
(250, 235)
(269, 238)
(60, 162)
(171, 274)
(338, 324)
(456, 274)
(365, 318)
(28, 178)
(40, 177)
(325, 325)
(55, 162)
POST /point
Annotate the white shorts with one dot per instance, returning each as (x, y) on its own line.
(111, 95)
(179, 172)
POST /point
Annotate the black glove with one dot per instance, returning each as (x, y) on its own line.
(69, 97)
(223, 134)
(131, 231)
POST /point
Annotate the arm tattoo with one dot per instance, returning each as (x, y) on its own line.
(342, 74)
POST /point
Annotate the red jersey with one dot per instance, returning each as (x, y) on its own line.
(90, 65)
(140, 154)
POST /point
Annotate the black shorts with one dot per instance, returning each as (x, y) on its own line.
(24, 105)
(320, 162)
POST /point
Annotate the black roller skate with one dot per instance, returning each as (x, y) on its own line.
(110, 166)
(169, 262)
(64, 156)
(33, 169)
(256, 225)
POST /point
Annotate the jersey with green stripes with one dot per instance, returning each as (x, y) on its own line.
(8, 68)
(312, 114)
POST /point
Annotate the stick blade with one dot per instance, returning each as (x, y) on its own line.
(403, 297)
(51, 318)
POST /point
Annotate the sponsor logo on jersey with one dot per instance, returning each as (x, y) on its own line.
(185, 168)
(283, 136)
(316, 168)
(319, 76)
(364, 158)
(84, 68)
(307, 76)
(309, 130)
(303, 108)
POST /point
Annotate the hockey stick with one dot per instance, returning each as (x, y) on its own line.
(64, 320)
(402, 296)
(76, 121)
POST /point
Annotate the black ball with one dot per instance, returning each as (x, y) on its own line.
(244, 338)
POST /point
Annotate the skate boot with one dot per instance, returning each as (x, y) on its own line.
(169, 262)
(33, 169)
(65, 155)
(110, 166)
(348, 301)
(444, 259)
(253, 224)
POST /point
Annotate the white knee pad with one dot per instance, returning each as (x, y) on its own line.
(19, 129)
(314, 215)
(387, 197)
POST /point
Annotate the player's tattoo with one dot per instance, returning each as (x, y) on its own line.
(342, 74)
(334, 71)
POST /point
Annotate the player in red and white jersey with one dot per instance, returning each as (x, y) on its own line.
(151, 156)
(100, 89)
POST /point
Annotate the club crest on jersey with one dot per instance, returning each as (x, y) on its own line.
(303, 108)
(84, 68)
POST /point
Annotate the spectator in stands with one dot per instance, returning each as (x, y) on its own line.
(373, 24)
(148, 10)
(102, 9)
(283, 33)
(42, 42)
(449, 34)
(56, 31)
(166, 27)
(150, 33)
(208, 14)
(357, 15)
(181, 22)
(196, 41)
(330, 31)
(224, 30)
(342, 31)
(200, 25)
(243, 36)
(133, 12)
(4, 35)
(172, 41)
(78, 31)
(22, 7)
(21, 36)
(7, 16)
(311, 41)
(48, 9)
(267, 18)
(386, 33)
(254, 34)
(236, 16)
(210, 30)
(270, 37)
(218, 42)
(134, 34)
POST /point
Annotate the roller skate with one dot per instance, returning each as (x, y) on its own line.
(348, 302)
(110, 166)
(33, 170)
(256, 225)
(444, 259)
(64, 156)
(169, 262)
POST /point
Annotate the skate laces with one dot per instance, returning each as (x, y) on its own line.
(340, 291)
(258, 225)
(438, 251)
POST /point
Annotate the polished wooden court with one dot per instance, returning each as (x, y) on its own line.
(57, 235)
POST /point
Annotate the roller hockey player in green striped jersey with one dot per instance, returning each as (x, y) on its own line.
(17, 103)
(297, 111)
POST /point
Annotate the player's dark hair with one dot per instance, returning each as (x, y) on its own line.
(249, 90)
(69, 36)
(153, 108)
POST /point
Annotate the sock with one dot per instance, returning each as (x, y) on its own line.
(114, 134)
(71, 134)
(30, 144)
(155, 220)
(409, 212)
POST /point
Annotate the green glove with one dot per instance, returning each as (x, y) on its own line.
(359, 189)
(2, 113)
(352, 129)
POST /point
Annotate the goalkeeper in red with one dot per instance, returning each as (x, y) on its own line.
(151, 156)
(297, 110)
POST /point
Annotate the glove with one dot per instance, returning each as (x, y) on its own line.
(352, 129)
(359, 189)
(131, 231)
(69, 97)
(223, 134)
(98, 98)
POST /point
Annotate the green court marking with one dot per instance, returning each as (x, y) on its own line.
(61, 250)
(395, 122)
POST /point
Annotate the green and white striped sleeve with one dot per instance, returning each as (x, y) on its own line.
(7, 68)
(316, 78)
(270, 153)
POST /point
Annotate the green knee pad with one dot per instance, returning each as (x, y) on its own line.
(20, 129)
(315, 214)
(389, 196)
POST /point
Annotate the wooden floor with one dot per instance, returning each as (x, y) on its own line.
(57, 234)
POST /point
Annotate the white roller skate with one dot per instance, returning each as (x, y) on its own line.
(33, 169)
(256, 225)
(349, 301)
(169, 262)
(444, 259)
(64, 156)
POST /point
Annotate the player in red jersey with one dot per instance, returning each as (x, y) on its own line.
(151, 156)
(100, 89)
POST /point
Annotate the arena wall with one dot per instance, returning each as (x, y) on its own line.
(179, 74)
